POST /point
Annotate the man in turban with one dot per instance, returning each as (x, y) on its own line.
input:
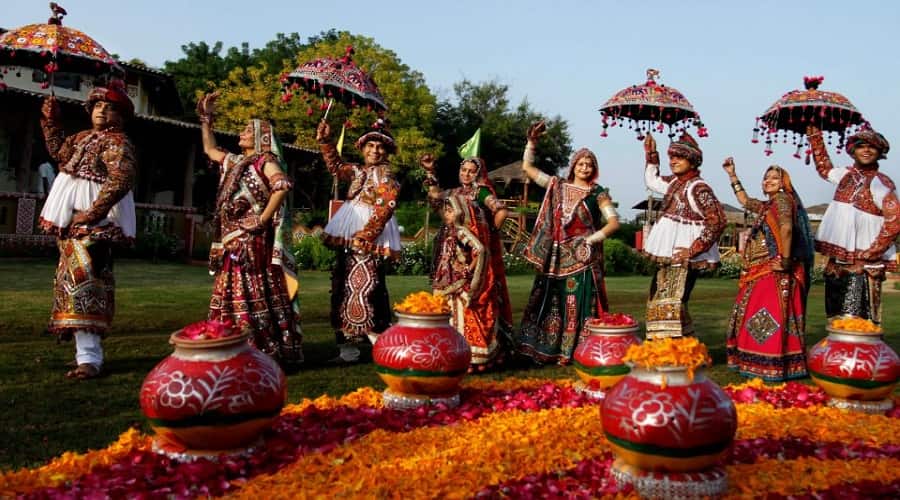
(90, 209)
(859, 227)
(684, 240)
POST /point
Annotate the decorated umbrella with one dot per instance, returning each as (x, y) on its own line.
(333, 78)
(53, 47)
(786, 120)
(650, 106)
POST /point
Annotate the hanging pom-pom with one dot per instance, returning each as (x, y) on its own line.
(797, 152)
(768, 151)
(309, 111)
(755, 139)
(603, 133)
(808, 155)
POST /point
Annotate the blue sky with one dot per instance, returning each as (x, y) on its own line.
(731, 59)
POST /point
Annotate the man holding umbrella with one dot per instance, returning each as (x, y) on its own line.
(90, 208)
(858, 230)
(364, 232)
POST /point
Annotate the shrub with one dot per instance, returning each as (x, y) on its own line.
(620, 258)
(310, 253)
(514, 263)
(730, 267)
(415, 259)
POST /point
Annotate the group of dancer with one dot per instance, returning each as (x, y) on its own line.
(90, 208)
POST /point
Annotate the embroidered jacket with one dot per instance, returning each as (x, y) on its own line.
(688, 198)
(373, 185)
(855, 188)
(103, 156)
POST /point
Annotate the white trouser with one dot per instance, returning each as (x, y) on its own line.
(88, 349)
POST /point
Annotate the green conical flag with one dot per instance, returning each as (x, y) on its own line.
(471, 147)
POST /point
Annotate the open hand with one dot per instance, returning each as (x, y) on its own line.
(80, 218)
(535, 131)
(206, 106)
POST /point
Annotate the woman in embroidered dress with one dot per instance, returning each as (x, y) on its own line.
(255, 277)
(566, 246)
(766, 333)
(486, 319)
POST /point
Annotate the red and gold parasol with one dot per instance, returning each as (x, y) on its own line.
(334, 78)
(649, 107)
(52, 47)
(786, 120)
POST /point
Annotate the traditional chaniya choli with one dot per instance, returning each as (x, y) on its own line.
(863, 215)
(691, 217)
(767, 329)
(255, 275)
(569, 287)
(479, 299)
(360, 307)
(96, 176)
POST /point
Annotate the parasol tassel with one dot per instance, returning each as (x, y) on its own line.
(797, 152)
(768, 150)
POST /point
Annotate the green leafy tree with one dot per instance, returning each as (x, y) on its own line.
(486, 105)
(255, 91)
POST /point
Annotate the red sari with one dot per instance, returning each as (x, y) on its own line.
(767, 328)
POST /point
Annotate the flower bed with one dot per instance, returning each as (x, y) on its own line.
(514, 438)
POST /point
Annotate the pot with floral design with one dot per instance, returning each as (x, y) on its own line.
(598, 358)
(857, 370)
(667, 423)
(215, 394)
(422, 359)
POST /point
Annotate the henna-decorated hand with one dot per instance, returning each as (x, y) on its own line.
(681, 256)
(252, 224)
(812, 130)
(206, 105)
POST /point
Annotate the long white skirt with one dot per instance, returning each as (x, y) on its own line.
(849, 228)
(669, 234)
(73, 193)
(353, 216)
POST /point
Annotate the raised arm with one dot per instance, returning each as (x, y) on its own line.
(206, 111)
(435, 193)
(652, 179)
(824, 166)
(54, 137)
(387, 191)
(535, 131)
(333, 162)
(739, 192)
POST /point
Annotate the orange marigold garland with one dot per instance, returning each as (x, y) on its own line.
(423, 303)
(686, 352)
(855, 324)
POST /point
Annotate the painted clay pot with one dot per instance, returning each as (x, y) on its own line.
(212, 396)
(661, 420)
(422, 359)
(854, 367)
(598, 358)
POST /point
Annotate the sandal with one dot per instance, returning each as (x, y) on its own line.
(84, 371)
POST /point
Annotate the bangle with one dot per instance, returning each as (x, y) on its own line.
(528, 155)
(737, 187)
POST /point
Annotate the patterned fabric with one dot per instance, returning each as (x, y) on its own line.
(687, 147)
(871, 137)
(338, 77)
(689, 199)
(667, 309)
(104, 156)
(114, 93)
(569, 287)
(853, 293)
(468, 269)
(767, 328)
(84, 289)
(373, 185)
(25, 215)
(359, 297)
(254, 273)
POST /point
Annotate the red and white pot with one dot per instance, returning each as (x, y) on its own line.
(212, 396)
(598, 358)
(422, 359)
(858, 371)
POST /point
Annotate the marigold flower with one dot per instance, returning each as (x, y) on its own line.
(423, 303)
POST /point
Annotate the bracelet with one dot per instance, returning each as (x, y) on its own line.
(609, 211)
(528, 155)
(737, 187)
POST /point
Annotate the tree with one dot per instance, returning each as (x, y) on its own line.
(255, 91)
(486, 105)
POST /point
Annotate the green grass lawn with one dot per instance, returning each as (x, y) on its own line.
(44, 414)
